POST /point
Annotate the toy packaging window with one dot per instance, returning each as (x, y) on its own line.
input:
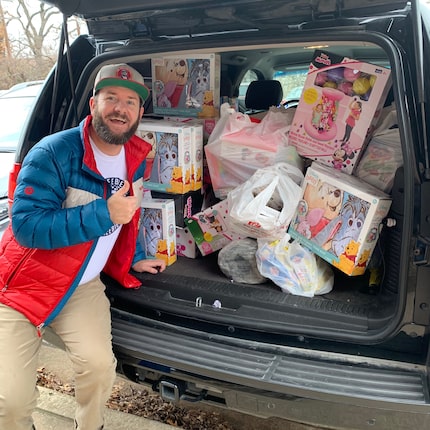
(339, 218)
(338, 109)
(157, 234)
(186, 86)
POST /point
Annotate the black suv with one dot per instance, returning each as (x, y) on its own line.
(355, 358)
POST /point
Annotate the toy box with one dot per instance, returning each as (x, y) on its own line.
(210, 229)
(186, 204)
(196, 155)
(185, 243)
(185, 86)
(168, 167)
(208, 124)
(339, 218)
(157, 229)
(196, 150)
(338, 108)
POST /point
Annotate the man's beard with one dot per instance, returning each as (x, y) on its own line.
(103, 131)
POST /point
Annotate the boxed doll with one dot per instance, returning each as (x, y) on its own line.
(157, 234)
(168, 165)
(210, 229)
(339, 218)
(338, 108)
(186, 86)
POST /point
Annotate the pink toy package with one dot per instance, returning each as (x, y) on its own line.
(339, 106)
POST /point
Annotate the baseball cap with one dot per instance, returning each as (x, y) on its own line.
(121, 75)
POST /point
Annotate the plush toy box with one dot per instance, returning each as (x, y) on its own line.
(186, 86)
(338, 108)
(197, 142)
(157, 234)
(208, 124)
(339, 218)
(168, 165)
(210, 228)
(196, 156)
(186, 204)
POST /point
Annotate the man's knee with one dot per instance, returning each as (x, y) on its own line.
(100, 366)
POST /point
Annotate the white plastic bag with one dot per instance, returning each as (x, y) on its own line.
(262, 207)
(293, 268)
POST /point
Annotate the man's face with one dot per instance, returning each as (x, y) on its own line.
(116, 114)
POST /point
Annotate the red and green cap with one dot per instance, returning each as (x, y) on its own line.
(121, 75)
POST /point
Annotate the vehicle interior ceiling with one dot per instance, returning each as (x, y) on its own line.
(353, 304)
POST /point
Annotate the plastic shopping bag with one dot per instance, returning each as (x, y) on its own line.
(263, 206)
(238, 147)
(383, 154)
(293, 268)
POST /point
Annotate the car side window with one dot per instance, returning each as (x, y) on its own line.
(292, 82)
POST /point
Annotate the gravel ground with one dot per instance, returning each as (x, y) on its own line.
(55, 373)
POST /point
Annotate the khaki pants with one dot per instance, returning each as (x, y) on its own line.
(84, 325)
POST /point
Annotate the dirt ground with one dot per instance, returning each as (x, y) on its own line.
(55, 372)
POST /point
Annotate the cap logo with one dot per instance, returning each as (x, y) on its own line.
(124, 74)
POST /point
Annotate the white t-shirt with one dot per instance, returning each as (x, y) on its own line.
(113, 168)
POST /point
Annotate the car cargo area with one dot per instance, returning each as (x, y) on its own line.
(194, 292)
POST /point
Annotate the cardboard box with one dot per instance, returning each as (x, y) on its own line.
(196, 149)
(196, 155)
(186, 86)
(185, 243)
(168, 166)
(186, 204)
(210, 229)
(157, 234)
(339, 218)
(208, 124)
(338, 108)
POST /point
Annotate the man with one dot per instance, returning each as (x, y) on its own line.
(75, 213)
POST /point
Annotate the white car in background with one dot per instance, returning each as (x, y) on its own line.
(15, 106)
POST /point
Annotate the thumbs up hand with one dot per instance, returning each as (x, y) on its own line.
(122, 207)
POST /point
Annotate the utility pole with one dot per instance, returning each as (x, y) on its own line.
(4, 38)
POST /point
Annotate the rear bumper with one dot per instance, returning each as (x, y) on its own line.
(313, 387)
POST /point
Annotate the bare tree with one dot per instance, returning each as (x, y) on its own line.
(38, 24)
(4, 38)
(31, 30)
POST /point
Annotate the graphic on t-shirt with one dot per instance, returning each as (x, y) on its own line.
(115, 184)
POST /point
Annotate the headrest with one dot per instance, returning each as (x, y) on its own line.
(260, 95)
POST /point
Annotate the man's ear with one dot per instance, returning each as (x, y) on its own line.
(91, 103)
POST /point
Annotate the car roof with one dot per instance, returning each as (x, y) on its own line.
(110, 19)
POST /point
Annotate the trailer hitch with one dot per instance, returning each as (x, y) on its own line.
(173, 390)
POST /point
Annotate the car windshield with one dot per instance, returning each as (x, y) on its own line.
(15, 106)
